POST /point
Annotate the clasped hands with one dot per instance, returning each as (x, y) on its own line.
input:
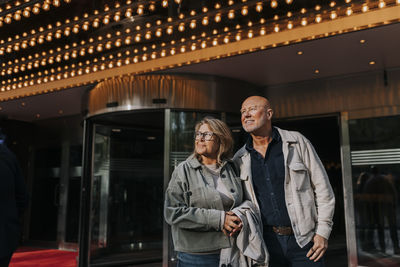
(232, 224)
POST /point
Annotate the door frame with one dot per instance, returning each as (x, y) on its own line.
(87, 178)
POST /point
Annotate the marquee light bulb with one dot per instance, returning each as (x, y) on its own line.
(128, 13)
(259, 7)
(245, 11)
(140, 10)
(231, 14)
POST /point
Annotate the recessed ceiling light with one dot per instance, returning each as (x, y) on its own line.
(316, 71)
(23, 104)
(362, 41)
(1, 108)
(37, 115)
(299, 52)
(372, 63)
(60, 111)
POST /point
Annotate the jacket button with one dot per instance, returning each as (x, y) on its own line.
(232, 190)
(223, 176)
(189, 193)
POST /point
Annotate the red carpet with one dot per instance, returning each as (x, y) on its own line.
(34, 257)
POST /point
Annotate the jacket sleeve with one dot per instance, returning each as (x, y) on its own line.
(323, 193)
(177, 211)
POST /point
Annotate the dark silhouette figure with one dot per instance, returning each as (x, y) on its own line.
(381, 205)
(13, 200)
(361, 202)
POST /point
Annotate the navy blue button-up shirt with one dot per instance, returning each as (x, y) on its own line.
(268, 175)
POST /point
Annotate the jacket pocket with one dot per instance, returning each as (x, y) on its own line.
(197, 197)
(299, 174)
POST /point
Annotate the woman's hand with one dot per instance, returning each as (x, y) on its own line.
(232, 224)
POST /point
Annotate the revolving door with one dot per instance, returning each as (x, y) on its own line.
(129, 155)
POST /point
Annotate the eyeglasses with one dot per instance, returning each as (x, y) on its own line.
(206, 135)
(252, 109)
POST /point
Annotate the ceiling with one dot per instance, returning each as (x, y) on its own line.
(334, 56)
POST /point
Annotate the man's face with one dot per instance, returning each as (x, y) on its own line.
(255, 115)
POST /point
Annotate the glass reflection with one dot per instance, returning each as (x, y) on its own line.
(182, 133)
(375, 150)
(127, 195)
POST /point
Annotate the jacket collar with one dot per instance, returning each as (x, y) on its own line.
(286, 136)
(195, 163)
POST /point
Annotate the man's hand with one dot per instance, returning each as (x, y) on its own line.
(232, 224)
(318, 249)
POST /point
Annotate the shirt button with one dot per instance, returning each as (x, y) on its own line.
(272, 194)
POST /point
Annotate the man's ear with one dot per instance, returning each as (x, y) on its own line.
(270, 112)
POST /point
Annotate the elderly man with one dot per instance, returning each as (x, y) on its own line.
(286, 180)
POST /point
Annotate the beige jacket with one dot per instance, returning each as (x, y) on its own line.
(309, 196)
(248, 248)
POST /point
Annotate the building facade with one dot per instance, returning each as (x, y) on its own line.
(99, 100)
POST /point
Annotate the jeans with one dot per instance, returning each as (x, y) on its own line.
(285, 252)
(197, 260)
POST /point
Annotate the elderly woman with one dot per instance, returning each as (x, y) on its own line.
(202, 191)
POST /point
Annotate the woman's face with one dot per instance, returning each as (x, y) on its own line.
(206, 148)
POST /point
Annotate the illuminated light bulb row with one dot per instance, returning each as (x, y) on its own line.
(58, 32)
(75, 29)
(100, 47)
(111, 64)
(203, 44)
(105, 20)
(172, 51)
(27, 11)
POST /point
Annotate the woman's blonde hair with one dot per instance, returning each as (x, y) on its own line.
(223, 134)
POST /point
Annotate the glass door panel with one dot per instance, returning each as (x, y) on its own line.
(375, 159)
(127, 194)
(182, 134)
